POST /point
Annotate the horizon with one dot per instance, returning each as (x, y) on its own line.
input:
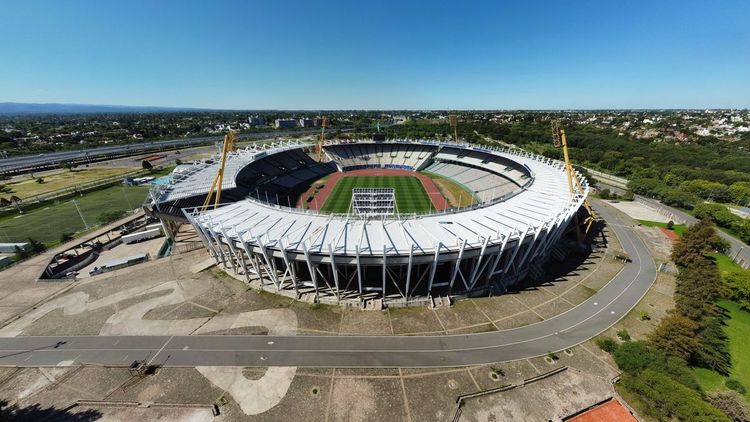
(480, 56)
(158, 108)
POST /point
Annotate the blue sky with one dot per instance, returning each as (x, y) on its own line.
(378, 55)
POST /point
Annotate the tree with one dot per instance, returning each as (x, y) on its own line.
(697, 241)
(147, 165)
(36, 246)
(713, 346)
(635, 356)
(698, 288)
(738, 283)
(669, 399)
(732, 404)
(608, 344)
(735, 385)
(716, 213)
(675, 336)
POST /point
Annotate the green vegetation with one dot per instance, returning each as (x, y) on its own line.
(607, 194)
(697, 347)
(27, 186)
(731, 403)
(410, 195)
(679, 229)
(738, 330)
(665, 385)
(694, 332)
(47, 224)
(608, 344)
(722, 217)
(725, 263)
(623, 335)
(32, 249)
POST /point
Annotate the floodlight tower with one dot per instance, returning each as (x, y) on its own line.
(453, 119)
(319, 147)
(560, 140)
(228, 147)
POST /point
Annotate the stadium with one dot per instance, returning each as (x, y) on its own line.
(376, 223)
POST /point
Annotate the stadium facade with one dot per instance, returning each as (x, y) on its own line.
(523, 206)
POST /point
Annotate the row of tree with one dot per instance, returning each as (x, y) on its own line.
(694, 330)
(658, 371)
(721, 216)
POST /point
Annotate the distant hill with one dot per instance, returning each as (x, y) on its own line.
(8, 108)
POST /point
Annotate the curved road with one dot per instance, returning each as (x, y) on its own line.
(568, 329)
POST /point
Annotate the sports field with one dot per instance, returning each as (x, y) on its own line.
(48, 223)
(410, 195)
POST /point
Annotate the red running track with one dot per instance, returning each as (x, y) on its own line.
(437, 199)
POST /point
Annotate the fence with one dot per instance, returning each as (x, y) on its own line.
(37, 200)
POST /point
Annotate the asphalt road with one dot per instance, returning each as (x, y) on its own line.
(577, 325)
(737, 249)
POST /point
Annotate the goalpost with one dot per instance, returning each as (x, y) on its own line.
(373, 202)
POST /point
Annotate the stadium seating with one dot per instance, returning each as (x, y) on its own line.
(395, 155)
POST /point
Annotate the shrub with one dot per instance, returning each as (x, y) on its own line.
(668, 399)
(732, 404)
(147, 165)
(608, 344)
(735, 385)
(670, 225)
(644, 316)
(623, 335)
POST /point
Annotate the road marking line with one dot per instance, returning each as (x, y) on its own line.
(162, 348)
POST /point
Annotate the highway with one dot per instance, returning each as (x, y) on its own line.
(563, 331)
(23, 163)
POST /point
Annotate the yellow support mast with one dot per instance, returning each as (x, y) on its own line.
(560, 140)
(228, 147)
(319, 147)
(453, 119)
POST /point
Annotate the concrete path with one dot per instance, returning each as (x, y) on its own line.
(563, 331)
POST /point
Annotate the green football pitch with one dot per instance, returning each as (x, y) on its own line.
(410, 195)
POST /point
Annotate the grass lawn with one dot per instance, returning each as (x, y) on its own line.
(26, 187)
(738, 330)
(677, 228)
(46, 224)
(410, 195)
(725, 263)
